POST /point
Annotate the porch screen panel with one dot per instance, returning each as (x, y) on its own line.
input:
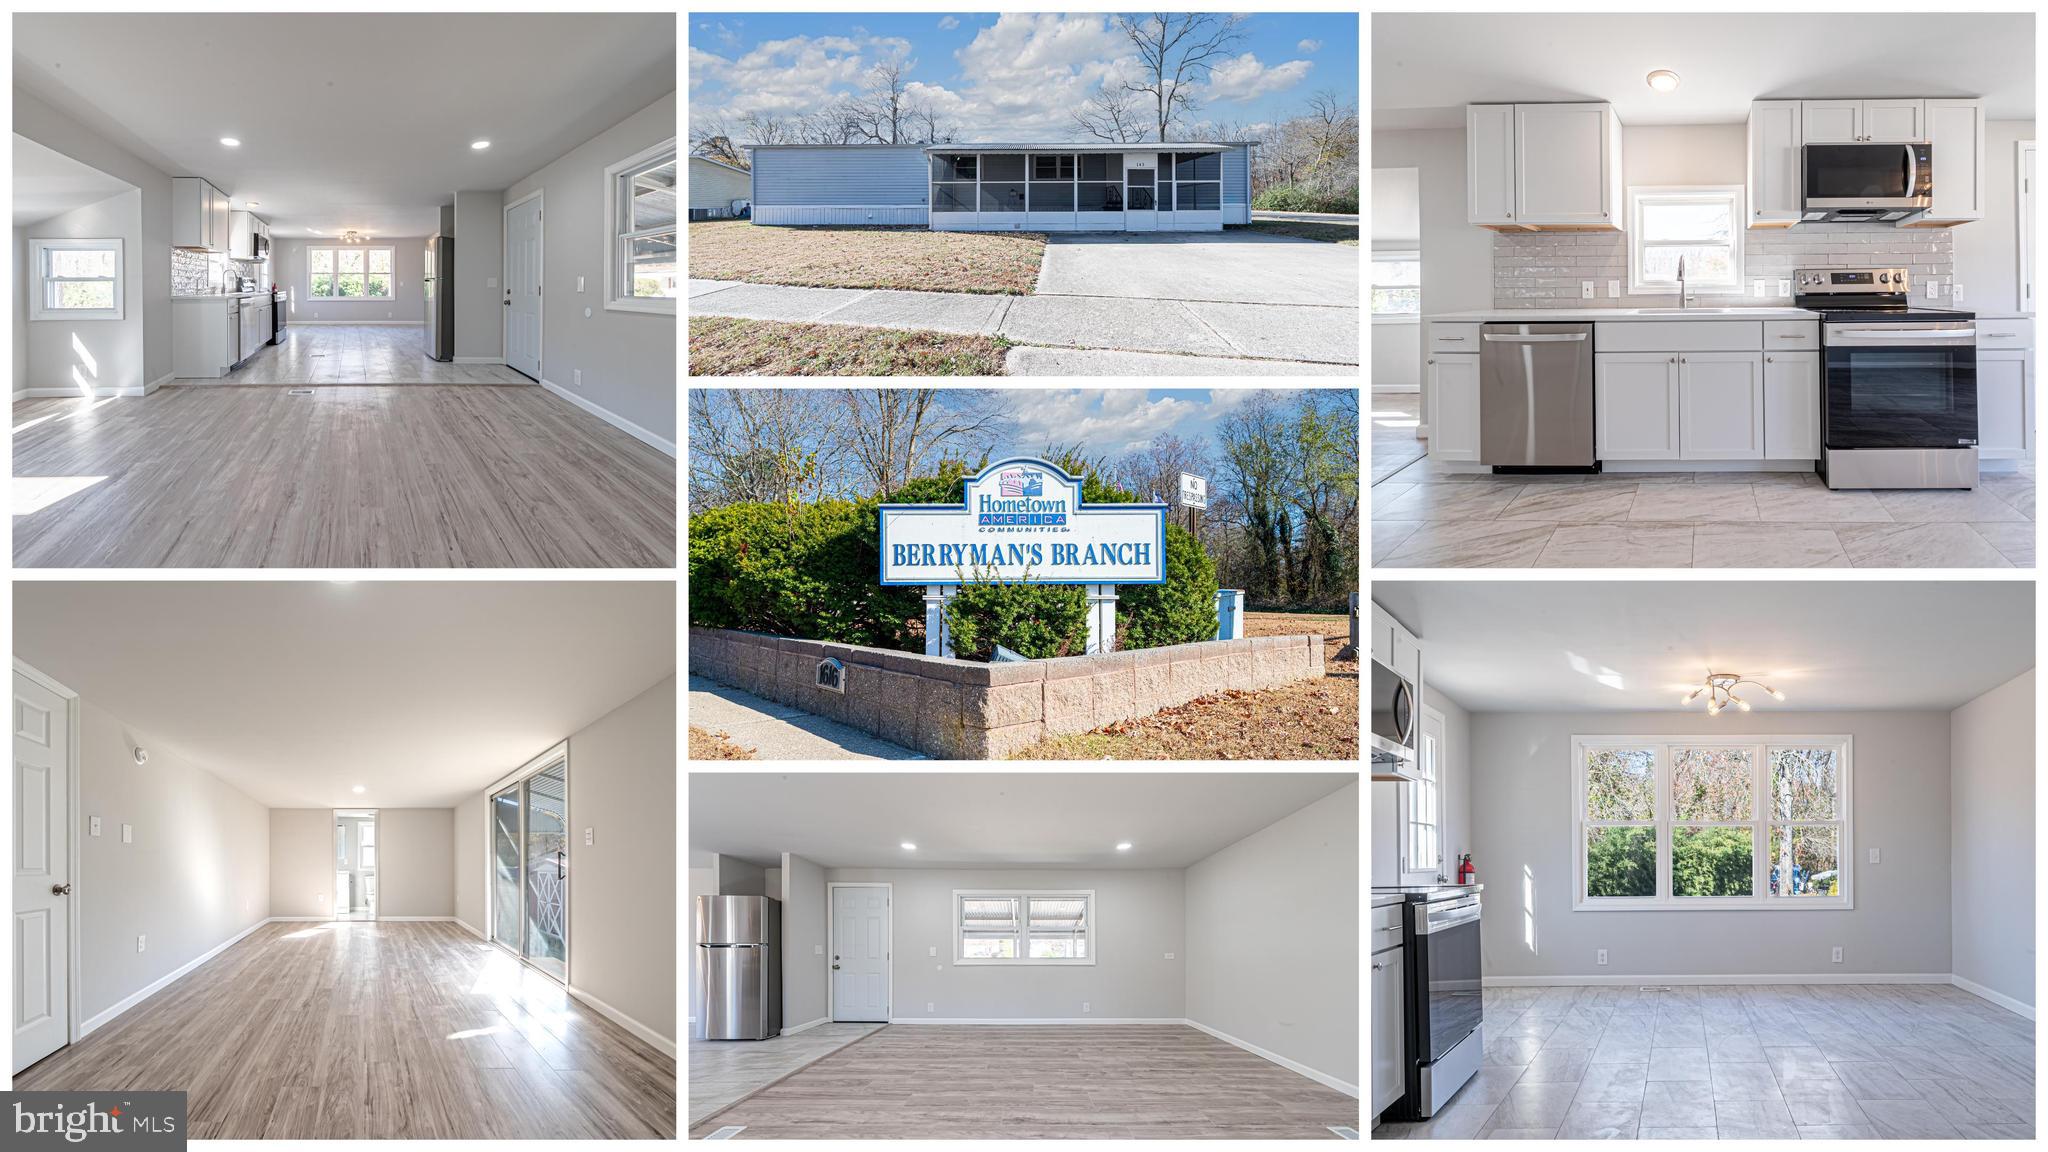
(1102, 183)
(1052, 182)
(953, 182)
(1198, 178)
(1002, 183)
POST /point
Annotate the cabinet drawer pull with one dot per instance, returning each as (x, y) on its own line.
(1377, 967)
(2000, 335)
(1791, 336)
(1395, 928)
(1452, 339)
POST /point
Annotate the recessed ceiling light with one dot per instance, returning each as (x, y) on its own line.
(1663, 79)
(231, 142)
(479, 145)
(358, 789)
(909, 847)
(1124, 847)
(255, 203)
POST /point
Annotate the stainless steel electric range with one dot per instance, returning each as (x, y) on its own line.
(1898, 382)
(1444, 1007)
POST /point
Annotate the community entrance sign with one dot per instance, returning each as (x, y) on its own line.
(1024, 522)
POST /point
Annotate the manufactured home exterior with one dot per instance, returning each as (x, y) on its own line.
(714, 185)
(1194, 187)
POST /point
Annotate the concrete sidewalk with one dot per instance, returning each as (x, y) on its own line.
(1027, 361)
(778, 732)
(1287, 332)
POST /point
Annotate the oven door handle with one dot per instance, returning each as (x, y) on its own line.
(1849, 335)
(1447, 918)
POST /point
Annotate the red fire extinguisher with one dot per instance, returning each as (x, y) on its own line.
(1466, 872)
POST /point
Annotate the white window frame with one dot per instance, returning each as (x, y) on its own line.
(1414, 793)
(1396, 255)
(338, 273)
(615, 237)
(1761, 821)
(1023, 934)
(39, 263)
(1638, 197)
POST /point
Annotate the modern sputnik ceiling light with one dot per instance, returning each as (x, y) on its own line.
(1663, 80)
(1720, 692)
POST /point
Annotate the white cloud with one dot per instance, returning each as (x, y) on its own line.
(792, 76)
(1026, 72)
(1308, 45)
(1244, 78)
(1110, 421)
(948, 23)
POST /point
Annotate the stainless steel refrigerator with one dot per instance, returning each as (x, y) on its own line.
(739, 967)
(438, 283)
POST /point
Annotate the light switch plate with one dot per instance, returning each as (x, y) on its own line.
(490, 281)
(579, 284)
(127, 833)
(1784, 287)
(1873, 855)
(95, 825)
(1756, 288)
(1169, 955)
(1614, 289)
(817, 949)
(933, 950)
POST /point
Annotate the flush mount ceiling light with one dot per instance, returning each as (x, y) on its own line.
(1720, 692)
(907, 846)
(479, 145)
(1124, 846)
(230, 142)
(142, 756)
(358, 789)
(351, 237)
(1663, 80)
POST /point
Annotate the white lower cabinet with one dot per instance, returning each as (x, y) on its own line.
(1721, 406)
(2005, 416)
(1792, 405)
(1454, 408)
(1389, 973)
(1635, 405)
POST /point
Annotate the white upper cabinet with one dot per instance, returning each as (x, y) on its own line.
(1830, 121)
(1490, 163)
(199, 215)
(1892, 120)
(1567, 165)
(1955, 130)
(1774, 169)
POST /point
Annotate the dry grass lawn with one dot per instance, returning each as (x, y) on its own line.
(913, 259)
(715, 746)
(1304, 229)
(1312, 720)
(734, 346)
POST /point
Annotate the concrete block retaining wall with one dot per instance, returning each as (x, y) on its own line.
(962, 710)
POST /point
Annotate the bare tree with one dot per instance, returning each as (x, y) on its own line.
(1331, 128)
(1153, 472)
(763, 445)
(713, 139)
(1176, 51)
(766, 128)
(1111, 114)
(887, 112)
(898, 433)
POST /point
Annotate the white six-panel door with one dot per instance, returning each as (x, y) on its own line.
(860, 953)
(522, 286)
(42, 861)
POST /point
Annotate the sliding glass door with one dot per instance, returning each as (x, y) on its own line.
(530, 864)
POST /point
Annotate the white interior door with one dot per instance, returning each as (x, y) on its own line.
(42, 863)
(860, 954)
(522, 287)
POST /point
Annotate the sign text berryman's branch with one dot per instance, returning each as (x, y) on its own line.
(1024, 521)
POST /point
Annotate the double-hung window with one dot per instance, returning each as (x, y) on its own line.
(1422, 838)
(348, 272)
(76, 280)
(1711, 822)
(1396, 286)
(1024, 927)
(641, 272)
(1701, 225)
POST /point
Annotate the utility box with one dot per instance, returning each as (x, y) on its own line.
(1230, 614)
(1354, 621)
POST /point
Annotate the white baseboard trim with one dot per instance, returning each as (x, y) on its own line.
(479, 360)
(666, 447)
(73, 393)
(159, 382)
(666, 1045)
(1773, 978)
(21, 394)
(473, 929)
(1323, 1078)
(360, 323)
(417, 918)
(1396, 389)
(808, 1024)
(295, 919)
(2018, 1007)
(1038, 1020)
(88, 1027)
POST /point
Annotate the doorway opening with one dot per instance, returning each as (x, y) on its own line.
(355, 863)
(529, 832)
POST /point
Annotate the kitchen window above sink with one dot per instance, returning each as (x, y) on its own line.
(1698, 225)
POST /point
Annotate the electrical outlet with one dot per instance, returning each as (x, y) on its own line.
(1933, 289)
(1784, 287)
(1169, 955)
(1585, 289)
(576, 379)
(141, 943)
(95, 823)
(1838, 956)
(817, 949)
(1873, 855)
(1756, 288)
(1955, 293)
(127, 833)
(931, 1008)
(589, 837)
(1600, 956)
(932, 951)
(490, 281)
(1084, 1007)
(1614, 289)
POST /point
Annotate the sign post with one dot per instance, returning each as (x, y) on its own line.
(1194, 496)
(1023, 522)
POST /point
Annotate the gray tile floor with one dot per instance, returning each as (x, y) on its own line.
(356, 354)
(722, 1071)
(1780, 1062)
(1427, 517)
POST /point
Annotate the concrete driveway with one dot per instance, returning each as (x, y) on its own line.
(1228, 267)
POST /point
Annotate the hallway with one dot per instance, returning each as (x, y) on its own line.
(357, 354)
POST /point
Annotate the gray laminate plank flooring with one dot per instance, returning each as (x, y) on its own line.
(1027, 1081)
(356, 354)
(722, 1071)
(1762, 1062)
(416, 476)
(375, 1030)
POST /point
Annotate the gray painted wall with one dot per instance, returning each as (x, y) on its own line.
(1457, 258)
(20, 311)
(115, 348)
(150, 262)
(1991, 795)
(416, 862)
(736, 877)
(302, 862)
(1521, 819)
(1140, 916)
(196, 874)
(628, 359)
(1272, 928)
(805, 968)
(406, 305)
(622, 897)
(470, 868)
(479, 272)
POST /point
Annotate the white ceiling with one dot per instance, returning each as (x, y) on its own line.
(294, 690)
(359, 121)
(991, 820)
(47, 183)
(1425, 68)
(1613, 646)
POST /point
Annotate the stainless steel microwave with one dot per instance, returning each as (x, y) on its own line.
(1393, 718)
(1866, 181)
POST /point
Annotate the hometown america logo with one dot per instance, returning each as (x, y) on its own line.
(1020, 502)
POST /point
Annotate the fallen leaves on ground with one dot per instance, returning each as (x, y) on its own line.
(715, 746)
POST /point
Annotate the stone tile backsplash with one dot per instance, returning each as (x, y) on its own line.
(196, 273)
(1544, 269)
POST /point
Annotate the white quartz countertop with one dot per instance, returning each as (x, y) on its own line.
(223, 295)
(1581, 315)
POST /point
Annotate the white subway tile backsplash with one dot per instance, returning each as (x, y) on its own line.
(195, 273)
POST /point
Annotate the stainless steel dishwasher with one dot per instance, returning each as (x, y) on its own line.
(1536, 396)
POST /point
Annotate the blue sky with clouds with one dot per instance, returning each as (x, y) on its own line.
(1112, 421)
(999, 76)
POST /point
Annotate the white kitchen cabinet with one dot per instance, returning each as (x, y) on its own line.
(1955, 129)
(1635, 405)
(2005, 404)
(1721, 406)
(1774, 167)
(1383, 636)
(1454, 408)
(1407, 655)
(1791, 405)
(1389, 987)
(199, 215)
(1567, 164)
(1490, 163)
(241, 235)
(1887, 121)
(1830, 121)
